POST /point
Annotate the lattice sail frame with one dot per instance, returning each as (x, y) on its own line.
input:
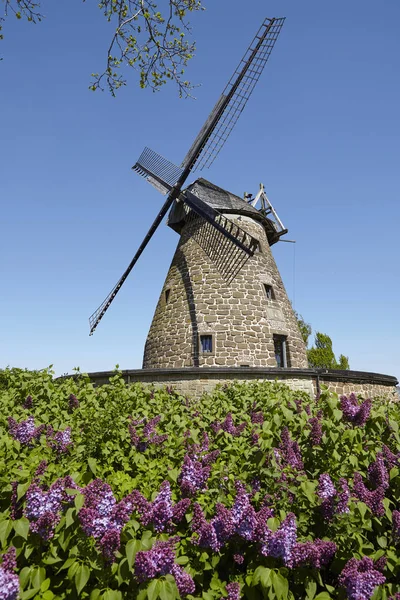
(167, 177)
(238, 90)
(225, 243)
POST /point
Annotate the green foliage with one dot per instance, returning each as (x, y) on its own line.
(151, 42)
(321, 355)
(305, 328)
(70, 566)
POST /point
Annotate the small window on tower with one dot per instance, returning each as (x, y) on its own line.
(167, 294)
(280, 347)
(269, 292)
(258, 248)
(206, 344)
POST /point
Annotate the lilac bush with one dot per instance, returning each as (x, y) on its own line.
(262, 487)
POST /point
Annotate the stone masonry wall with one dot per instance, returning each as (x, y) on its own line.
(195, 383)
(196, 300)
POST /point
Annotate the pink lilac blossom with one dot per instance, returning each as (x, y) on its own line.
(160, 560)
(238, 559)
(25, 432)
(60, 441)
(360, 578)
(43, 508)
(373, 499)
(355, 413)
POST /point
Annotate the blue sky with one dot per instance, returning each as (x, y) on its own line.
(321, 131)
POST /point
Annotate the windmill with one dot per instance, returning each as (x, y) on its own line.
(226, 242)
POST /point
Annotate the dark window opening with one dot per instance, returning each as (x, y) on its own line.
(245, 365)
(258, 248)
(167, 294)
(206, 343)
(280, 345)
(269, 292)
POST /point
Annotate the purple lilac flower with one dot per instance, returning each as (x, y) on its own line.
(160, 561)
(396, 525)
(373, 499)
(255, 438)
(228, 426)
(9, 562)
(148, 436)
(343, 497)
(395, 597)
(28, 404)
(360, 578)
(327, 492)
(207, 537)
(15, 504)
(316, 431)
(377, 473)
(380, 563)
(103, 518)
(157, 561)
(393, 460)
(73, 403)
(243, 514)
(281, 543)
(315, 554)
(9, 585)
(60, 441)
(41, 468)
(298, 402)
(183, 580)
(233, 590)
(193, 476)
(353, 411)
(290, 451)
(257, 417)
(43, 508)
(161, 513)
(25, 432)
(238, 559)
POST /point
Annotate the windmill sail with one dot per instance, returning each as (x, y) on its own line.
(225, 243)
(231, 103)
(160, 172)
(166, 176)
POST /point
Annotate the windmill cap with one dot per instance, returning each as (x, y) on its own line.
(223, 201)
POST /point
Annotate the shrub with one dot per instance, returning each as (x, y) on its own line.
(254, 491)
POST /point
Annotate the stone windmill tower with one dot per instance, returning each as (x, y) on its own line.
(223, 302)
(203, 318)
